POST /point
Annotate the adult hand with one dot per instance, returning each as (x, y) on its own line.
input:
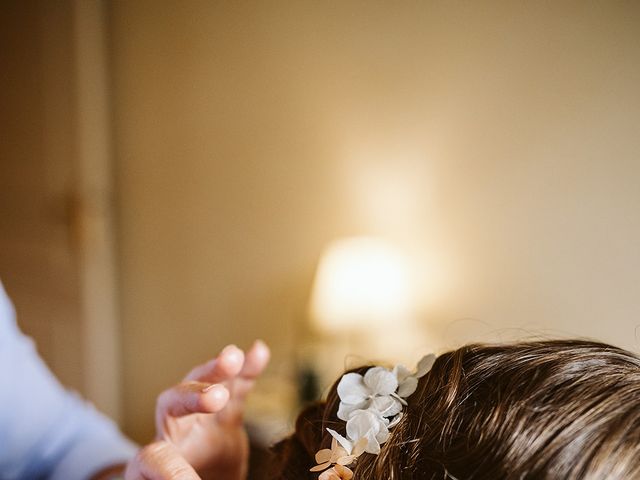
(199, 422)
(160, 461)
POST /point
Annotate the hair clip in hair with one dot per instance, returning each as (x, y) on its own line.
(371, 405)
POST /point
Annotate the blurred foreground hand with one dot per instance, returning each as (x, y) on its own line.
(199, 422)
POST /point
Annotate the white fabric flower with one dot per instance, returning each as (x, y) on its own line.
(376, 388)
(408, 381)
(371, 405)
(368, 425)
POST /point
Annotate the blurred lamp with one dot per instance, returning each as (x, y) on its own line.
(361, 283)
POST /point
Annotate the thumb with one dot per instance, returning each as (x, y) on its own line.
(160, 461)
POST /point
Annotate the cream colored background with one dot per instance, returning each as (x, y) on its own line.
(497, 142)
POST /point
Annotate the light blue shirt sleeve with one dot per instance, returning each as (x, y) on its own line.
(47, 432)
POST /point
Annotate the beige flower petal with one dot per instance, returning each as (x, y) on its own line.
(321, 467)
(343, 472)
(323, 455)
(359, 447)
(338, 452)
(346, 460)
(329, 475)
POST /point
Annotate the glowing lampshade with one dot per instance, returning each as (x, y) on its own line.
(360, 282)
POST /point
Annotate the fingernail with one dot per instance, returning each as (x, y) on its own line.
(262, 348)
(231, 350)
(216, 391)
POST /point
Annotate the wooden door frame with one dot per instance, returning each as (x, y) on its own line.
(94, 208)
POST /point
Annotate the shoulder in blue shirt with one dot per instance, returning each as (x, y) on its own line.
(46, 431)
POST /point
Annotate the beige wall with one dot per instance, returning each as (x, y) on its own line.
(498, 142)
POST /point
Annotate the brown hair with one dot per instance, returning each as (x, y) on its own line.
(564, 409)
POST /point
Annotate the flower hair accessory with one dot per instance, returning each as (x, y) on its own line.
(371, 405)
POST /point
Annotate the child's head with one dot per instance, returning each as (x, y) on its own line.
(544, 410)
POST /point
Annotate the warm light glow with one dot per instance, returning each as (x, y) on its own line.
(360, 282)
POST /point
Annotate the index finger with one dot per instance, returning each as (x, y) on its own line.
(192, 397)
